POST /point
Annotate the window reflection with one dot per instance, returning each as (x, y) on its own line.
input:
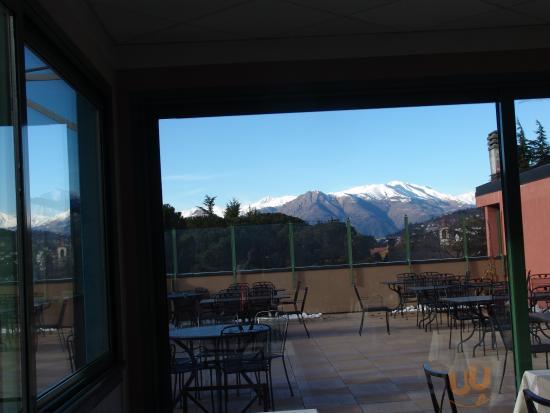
(70, 320)
(10, 349)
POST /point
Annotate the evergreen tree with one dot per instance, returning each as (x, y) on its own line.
(172, 218)
(208, 205)
(540, 147)
(524, 152)
(232, 210)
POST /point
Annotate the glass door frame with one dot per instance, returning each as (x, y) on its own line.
(29, 28)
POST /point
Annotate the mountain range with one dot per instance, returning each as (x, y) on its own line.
(376, 209)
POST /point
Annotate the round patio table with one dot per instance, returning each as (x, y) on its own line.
(212, 332)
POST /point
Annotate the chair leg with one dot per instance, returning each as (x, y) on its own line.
(270, 385)
(503, 371)
(450, 334)
(362, 321)
(287, 379)
(304, 324)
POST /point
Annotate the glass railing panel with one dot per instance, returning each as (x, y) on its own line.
(262, 247)
(320, 244)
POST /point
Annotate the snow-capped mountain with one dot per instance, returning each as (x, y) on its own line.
(7, 221)
(374, 209)
(270, 202)
(404, 192)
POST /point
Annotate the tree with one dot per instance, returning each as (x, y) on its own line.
(172, 218)
(232, 210)
(539, 145)
(208, 202)
(524, 151)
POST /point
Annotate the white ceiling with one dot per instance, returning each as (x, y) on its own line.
(138, 22)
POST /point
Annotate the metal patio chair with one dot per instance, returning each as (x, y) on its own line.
(438, 403)
(367, 307)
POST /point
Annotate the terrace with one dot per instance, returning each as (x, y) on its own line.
(336, 370)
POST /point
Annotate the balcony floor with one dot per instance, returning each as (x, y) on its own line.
(339, 371)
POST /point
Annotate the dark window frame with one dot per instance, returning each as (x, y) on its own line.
(88, 385)
(230, 101)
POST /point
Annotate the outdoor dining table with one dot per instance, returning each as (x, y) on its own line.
(209, 332)
(477, 301)
(183, 294)
(276, 297)
(538, 381)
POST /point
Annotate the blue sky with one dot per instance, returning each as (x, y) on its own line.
(249, 157)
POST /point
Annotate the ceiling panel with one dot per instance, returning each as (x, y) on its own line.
(262, 18)
(339, 26)
(122, 23)
(169, 21)
(539, 9)
(343, 7)
(424, 14)
(181, 10)
(494, 19)
(183, 33)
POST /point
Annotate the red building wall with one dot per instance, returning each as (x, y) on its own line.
(535, 205)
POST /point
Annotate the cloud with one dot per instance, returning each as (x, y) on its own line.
(187, 178)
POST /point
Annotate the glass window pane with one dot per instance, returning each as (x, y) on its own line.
(10, 349)
(71, 324)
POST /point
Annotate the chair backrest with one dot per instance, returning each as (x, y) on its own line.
(500, 317)
(245, 342)
(279, 328)
(297, 291)
(358, 296)
(66, 320)
(69, 343)
(534, 280)
(532, 398)
(264, 284)
(438, 403)
(239, 287)
(304, 297)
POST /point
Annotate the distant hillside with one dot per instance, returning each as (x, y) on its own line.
(442, 237)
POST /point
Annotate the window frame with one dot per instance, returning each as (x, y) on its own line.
(30, 28)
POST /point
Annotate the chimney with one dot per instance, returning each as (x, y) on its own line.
(494, 156)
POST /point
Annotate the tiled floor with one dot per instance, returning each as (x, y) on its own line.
(339, 371)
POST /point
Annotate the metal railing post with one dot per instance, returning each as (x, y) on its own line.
(233, 253)
(407, 242)
(174, 258)
(350, 252)
(513, 226)
(292, 257)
